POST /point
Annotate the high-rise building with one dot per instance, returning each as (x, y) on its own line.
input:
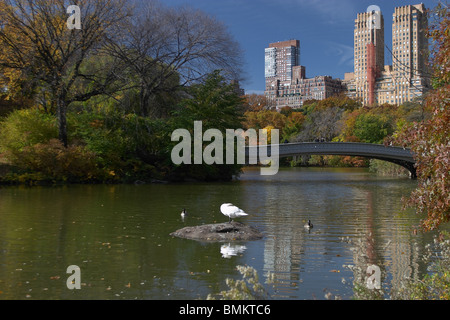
(280, 58)
(369, 53)
(408, 76)
(286, 82)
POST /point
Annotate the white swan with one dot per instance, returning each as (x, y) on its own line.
(232, 211)
(228, 250)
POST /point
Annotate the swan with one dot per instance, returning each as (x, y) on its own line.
(183, 213)
(232, 211)
(308, 225)
(228, 250)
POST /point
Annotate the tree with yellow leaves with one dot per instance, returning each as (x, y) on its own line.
(39, 53)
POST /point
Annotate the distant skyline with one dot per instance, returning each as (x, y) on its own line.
(324, 28)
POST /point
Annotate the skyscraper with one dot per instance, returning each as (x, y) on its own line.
(369, 53)
(286, 82)
(280, 58)
(408, 76)
(409, 53)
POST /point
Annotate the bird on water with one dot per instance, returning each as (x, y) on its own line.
(232, 211)
(183, 213)
(308, 225)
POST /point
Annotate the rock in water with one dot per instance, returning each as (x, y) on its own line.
(219, 232)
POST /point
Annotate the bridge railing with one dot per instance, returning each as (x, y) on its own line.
(398, 155)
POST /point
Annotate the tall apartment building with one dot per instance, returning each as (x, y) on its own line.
(280, 59)
(369, 53)
(408, 76)
(286, 82)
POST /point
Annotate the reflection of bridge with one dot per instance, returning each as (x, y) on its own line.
(401, 156)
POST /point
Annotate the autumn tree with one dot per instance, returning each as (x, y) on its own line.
(340, 101)
(293, 125)
(39, 52)
(264, 118)
(255, 102)
(430, 139)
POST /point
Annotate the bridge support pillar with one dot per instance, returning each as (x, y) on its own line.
(412, 170)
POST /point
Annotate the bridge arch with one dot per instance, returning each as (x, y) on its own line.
(401, 156)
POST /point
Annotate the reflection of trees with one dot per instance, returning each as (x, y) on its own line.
(341, 207)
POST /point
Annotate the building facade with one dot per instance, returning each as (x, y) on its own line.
(368, 53)
(280, 58)
(286, 82)
(408, 77)
(303, 89)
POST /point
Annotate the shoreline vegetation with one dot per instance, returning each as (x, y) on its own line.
(104, 111)
(107, 144)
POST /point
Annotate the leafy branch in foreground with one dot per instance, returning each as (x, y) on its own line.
(430, 139)
(249, 288)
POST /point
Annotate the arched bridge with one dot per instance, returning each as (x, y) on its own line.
(401, 156)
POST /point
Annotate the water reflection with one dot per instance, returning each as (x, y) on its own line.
(364, 208)
(231, 250)
(119, 236)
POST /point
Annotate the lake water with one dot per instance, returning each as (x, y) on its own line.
(119, 236)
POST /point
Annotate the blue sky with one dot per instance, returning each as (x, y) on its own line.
(324, 28)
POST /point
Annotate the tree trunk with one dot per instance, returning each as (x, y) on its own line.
(144, 98)
(62, 121)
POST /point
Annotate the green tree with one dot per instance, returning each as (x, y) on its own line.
(213, 102)
(217, 106)
(370, 128)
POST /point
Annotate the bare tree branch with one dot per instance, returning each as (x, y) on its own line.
(160, 44)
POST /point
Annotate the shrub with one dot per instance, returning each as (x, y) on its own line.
(52, 161)
(24, 128)
(101, 135)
